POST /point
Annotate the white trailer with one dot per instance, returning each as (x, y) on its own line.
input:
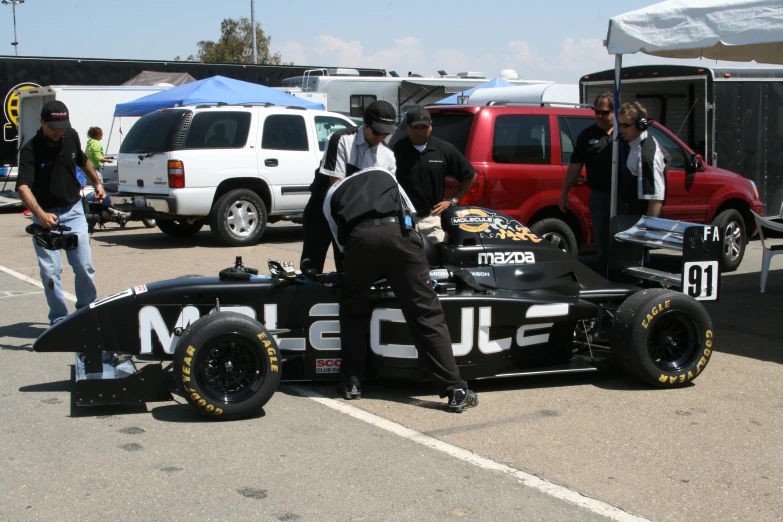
(89, 106)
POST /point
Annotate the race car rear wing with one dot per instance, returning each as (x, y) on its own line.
(700, 245)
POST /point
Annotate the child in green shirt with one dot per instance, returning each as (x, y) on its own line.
(94, 150)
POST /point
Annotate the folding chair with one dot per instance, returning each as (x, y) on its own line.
(768, 251)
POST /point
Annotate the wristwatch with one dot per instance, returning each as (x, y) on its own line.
(454, 202)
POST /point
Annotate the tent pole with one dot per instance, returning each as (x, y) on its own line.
(108, 142)
(618, 65)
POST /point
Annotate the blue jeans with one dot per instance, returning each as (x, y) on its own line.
(50, 264)
(600, 206)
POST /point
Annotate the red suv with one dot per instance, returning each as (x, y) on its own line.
(521, 154)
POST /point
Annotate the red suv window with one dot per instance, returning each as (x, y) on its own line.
(454, 128)
(521, 138)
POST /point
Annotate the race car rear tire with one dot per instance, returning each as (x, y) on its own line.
(662, 337)
(558, 233)
(227, 365)
(179, 228)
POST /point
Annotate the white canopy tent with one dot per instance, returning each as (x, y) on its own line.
(733, 30)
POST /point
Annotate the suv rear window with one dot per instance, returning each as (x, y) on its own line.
(454, 128)
(521, 138)
(284, 132)
(218, 130)
(153, 132)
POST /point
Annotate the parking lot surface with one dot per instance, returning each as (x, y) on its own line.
(710, 451)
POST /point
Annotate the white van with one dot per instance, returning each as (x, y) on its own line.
(233, 167)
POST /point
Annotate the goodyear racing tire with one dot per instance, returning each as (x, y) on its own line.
(663, 337)
(179, 228)
(227, 365)
(238, 218)
(558, 233)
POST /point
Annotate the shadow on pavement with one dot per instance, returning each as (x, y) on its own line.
(156, 240)
(45, 387)
(185, 413)
(22, 331)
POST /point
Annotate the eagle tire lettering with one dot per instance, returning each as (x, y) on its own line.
(227, 365)
(663, 338)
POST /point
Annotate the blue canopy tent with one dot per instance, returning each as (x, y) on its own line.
(494, 82)
(212, 91)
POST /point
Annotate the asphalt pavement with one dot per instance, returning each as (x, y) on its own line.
(572, 447)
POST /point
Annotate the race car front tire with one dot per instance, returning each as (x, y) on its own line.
(662, 337)
(227, 365)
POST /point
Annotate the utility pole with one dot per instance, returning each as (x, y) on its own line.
(13, 3)
(252, 29)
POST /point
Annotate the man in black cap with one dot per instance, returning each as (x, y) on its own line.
(348, 151)
(48, 187)
(367, 216)
(423, 162)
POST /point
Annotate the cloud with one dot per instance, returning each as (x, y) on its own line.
(331, 50)
(292, 52)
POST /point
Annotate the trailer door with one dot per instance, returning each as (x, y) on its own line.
(686, 192)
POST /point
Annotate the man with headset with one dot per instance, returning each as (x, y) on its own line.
(642, 184)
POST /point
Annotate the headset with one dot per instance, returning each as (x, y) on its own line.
(641, 122)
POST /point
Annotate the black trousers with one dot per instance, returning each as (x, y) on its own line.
(384, 250)
(318, 235)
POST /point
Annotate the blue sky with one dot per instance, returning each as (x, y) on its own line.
(555, 40)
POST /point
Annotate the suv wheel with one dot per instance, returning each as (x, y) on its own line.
(238, 218)
(734, 239)
(558, 233)
(179, 228)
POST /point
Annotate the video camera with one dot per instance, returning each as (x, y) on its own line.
(51, 239)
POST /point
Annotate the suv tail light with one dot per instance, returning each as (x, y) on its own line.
(476, 192)
(176, 174)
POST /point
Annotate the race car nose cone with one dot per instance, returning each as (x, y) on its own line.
(78, 332)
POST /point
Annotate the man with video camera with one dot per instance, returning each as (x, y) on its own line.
(48, 187)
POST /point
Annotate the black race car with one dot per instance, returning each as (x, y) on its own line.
(514, 303)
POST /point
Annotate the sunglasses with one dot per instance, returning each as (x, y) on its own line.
(602, 113)
(376, 133)
(626, 125)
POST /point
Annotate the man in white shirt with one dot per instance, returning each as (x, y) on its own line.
(644, 188)
(348, 152)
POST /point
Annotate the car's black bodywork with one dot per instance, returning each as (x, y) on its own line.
(514, 304)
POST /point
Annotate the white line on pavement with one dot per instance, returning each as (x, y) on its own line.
(532, 481)
(32, 281)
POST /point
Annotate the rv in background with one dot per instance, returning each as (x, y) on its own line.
(349, 93)
(732, 117)
(544, 94)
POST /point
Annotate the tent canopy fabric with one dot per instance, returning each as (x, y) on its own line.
(156, 78)
(491, 84)
(212, 91)
(734, 30)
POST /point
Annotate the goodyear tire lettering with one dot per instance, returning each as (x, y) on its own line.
(191, 351)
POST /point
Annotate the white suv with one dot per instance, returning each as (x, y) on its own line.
(232, 167)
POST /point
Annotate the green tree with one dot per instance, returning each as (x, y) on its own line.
(235, 45)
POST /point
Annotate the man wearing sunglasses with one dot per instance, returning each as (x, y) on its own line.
(593, 151)
(348, 152)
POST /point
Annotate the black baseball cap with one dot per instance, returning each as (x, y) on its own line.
(418, 116)
(380, 116)
(55, 115)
